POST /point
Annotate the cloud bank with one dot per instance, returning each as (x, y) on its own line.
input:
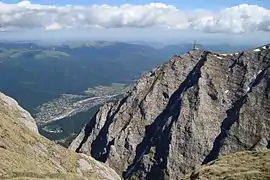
(238, 19)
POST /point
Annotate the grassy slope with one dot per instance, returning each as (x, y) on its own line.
(237, 166)
(25, 154)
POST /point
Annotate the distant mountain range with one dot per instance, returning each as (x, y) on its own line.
(34, 74)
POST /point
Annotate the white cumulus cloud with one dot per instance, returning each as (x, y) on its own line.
(237, 19)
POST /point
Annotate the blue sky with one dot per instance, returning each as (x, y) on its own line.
(184, 4)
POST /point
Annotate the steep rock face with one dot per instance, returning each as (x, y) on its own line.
(24, 154)
(188, 111)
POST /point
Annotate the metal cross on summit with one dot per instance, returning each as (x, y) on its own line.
(194, 46)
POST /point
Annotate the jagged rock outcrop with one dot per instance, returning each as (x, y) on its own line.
(24, 154)
(238, 166)
(188, 111)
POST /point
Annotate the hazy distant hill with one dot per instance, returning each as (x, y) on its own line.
(35, 74)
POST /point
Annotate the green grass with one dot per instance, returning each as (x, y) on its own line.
(237, 166)
(37, 53)
(27, 155)
(51, 54)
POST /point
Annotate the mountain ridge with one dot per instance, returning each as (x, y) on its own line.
(155, 129)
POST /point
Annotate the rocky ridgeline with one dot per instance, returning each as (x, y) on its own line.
(188, 111)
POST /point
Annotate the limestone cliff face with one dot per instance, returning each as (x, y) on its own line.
(24, 154)
(188, 111)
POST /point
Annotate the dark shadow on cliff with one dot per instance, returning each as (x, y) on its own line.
(158, 134)
(87, 131)
(100, 148)
(236, 61)
(232, 117)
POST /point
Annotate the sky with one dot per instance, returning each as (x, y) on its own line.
(141, 20)
(195, 4)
